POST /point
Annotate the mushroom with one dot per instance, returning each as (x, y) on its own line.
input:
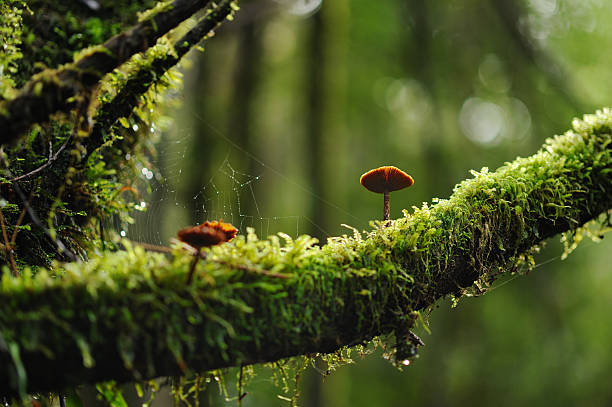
(205, 235)
(385, 180)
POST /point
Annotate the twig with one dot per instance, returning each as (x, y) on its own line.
(36, 220)
(152, 247)
(19, 220)
(240, 393)
(7, 245)
(52, 159)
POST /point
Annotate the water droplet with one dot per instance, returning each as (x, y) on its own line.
(405, 362)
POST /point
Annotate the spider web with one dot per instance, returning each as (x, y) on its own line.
(164, 207)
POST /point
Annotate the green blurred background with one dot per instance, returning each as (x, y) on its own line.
(294, 100)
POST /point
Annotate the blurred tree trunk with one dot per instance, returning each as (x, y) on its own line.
(326, 43)
(315, 120)
(315, 117)
(200, 155)
(241, 119)
(417, 52)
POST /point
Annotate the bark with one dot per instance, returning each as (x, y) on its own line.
(129, 315)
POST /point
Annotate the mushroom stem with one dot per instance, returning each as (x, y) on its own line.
(193, 266)
(386, 208)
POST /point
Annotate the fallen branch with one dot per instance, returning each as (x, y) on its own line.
(129, 315)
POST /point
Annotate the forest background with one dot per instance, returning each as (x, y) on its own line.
(293, 101)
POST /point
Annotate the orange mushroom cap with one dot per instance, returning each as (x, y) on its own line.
(386, 179)
(207, 234)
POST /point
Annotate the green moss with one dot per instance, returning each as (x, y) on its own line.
(345, 293)
(84, 184)
(55, 31)
(10, 37)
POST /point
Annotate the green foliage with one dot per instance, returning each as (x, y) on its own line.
(10, 37)
(111, 394)
(54, 31)
(91, 179)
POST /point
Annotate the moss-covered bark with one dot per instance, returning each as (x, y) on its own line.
(129, 315)
(60, 90)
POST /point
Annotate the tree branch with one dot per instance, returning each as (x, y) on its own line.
(129, 96)
(128, 315)
(56, 90)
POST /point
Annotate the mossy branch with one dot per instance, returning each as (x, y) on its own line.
(122, 104)
(129, 315)
(58, 90)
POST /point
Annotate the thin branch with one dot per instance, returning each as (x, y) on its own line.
(52, 159)
(19, 220)
(10, 245)
(152, 247)
(36, 220)
(55, 90)
(7, 245)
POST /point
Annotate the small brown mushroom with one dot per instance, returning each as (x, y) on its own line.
(205, 235)
(385, 180)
